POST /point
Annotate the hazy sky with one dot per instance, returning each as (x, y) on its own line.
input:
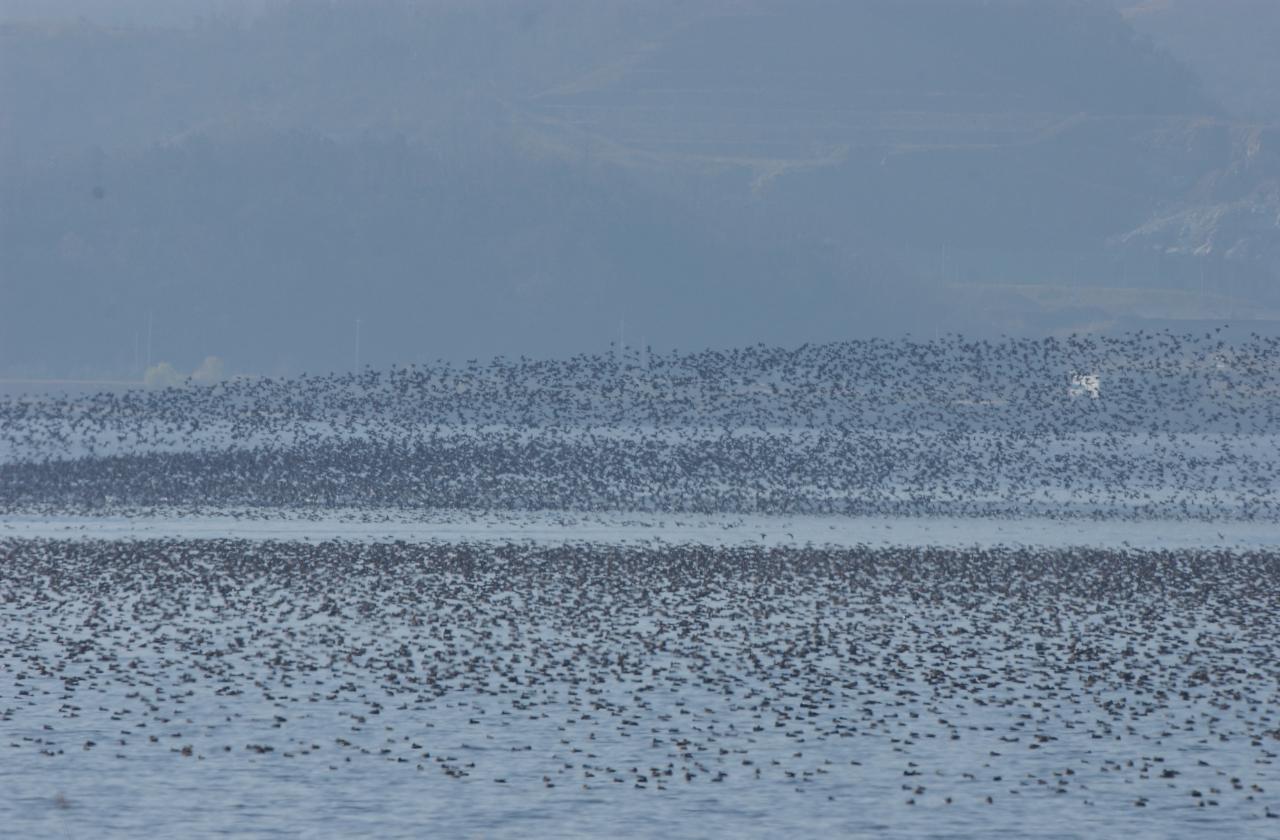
(131, 12)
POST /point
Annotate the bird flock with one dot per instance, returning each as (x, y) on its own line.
(1183, 427)
(1085, 683)
(503, 687)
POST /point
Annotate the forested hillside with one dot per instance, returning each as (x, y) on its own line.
(469, 179)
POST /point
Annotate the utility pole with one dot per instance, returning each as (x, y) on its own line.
(151, 315)
(357, 365)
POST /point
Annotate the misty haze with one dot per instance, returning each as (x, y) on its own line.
(517, 418)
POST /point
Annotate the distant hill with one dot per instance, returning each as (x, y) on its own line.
(521, 177)
(1230, 44)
